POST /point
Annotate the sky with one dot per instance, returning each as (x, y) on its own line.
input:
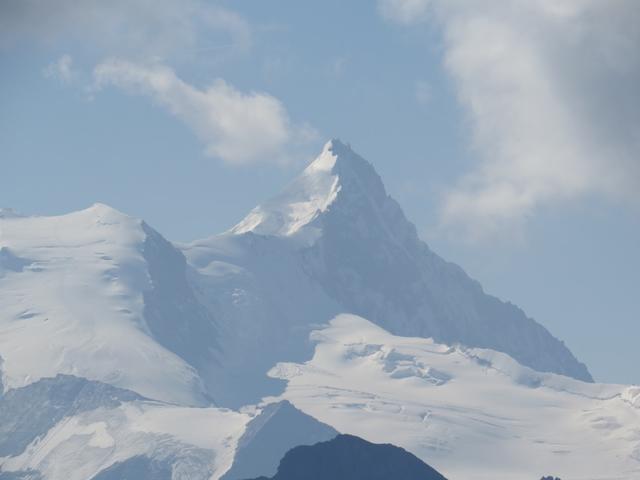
(509, 131)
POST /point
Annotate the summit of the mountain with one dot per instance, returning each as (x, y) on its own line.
(356, 242)
(338, 172)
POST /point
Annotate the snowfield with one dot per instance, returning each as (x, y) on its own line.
(71, 302)
(198, 443)
(470, 413)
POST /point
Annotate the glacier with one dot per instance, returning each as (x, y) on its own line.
(470, 413)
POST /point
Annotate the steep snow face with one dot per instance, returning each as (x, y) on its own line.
(355, 241)
(72, 428)
(470, 413)
(171, 311)
(292, 212)
(265, 306)
(29, 412)
(91, 430)
(72, 301)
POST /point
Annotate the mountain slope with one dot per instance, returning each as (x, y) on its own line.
(270, 435)
(100, 295)
(356, 242)
(68, 428)
(470, 413)
(26, 413)
(265, 305)
(347, 457)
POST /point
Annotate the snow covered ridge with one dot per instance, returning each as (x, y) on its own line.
(471, 414)
(72, 291)
(300, 203)
(68, 428)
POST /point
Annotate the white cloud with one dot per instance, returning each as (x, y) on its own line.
(239, 128)
(551, 89)
(142, 37)
(132, 28)
(62, 69)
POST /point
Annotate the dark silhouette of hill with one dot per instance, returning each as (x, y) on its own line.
(347, 457)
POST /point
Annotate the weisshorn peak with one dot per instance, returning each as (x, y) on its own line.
(355, 241)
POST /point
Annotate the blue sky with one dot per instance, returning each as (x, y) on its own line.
(509, 133)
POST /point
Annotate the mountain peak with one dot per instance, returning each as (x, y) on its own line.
(337, 171)
(97, 210)
(103, 210)
(103, 215)
(334, 153)
(360, 247)
(340, 159)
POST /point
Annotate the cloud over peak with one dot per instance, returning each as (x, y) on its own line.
(551, 91)
(139, 40)
(240, 128)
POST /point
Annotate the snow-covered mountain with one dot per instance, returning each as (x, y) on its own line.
(357, 243)
(162, 359)
(333, 241)
(85, 294)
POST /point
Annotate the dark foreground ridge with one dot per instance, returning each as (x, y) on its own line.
(347, 457)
